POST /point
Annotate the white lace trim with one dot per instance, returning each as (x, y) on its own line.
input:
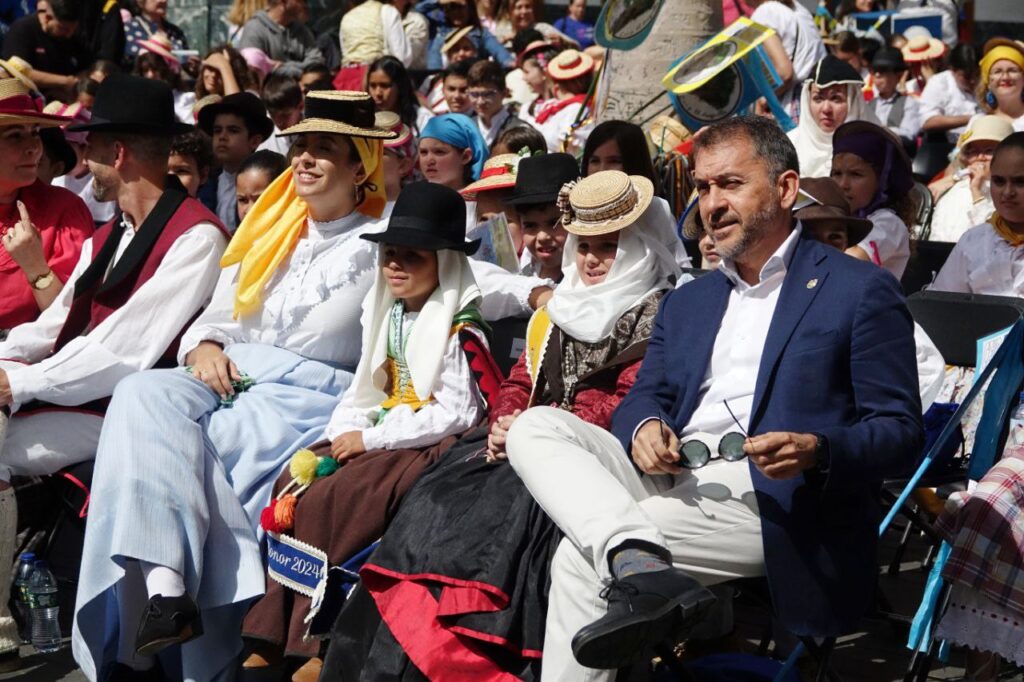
(975, 622)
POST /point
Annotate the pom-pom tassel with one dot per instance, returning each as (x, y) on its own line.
(267, 518)
(284, 512)
(326, 467)
(303, 466)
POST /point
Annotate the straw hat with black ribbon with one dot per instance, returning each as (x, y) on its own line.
(604, 202)
(18, 107)
(454, 37)
(340, 112)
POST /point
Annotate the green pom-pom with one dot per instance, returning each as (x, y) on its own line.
(303, 466)
(326, 466)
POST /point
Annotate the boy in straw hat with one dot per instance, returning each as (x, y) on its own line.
(571, 73)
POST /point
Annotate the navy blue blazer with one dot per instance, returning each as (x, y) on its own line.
(839, 360)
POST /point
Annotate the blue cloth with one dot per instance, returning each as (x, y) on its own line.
(839, 361)
(180, 482)
(461, 132)
(580, 31)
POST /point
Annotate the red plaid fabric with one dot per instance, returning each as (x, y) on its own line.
(986, 530)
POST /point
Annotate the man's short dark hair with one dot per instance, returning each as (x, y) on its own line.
(318, 68)
(149, 149)
(765, 135)
(194, 145)
(460, 68)
(66, 10)
(486, 72)
(281, 92)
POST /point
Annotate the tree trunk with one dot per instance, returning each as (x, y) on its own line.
(635, 76)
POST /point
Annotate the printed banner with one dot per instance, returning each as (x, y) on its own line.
(295, 564)
(624, 24)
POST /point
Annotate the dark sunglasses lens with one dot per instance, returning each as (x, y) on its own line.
(694, 454)
(731, 447)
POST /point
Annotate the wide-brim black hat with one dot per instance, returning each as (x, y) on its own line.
(132, 104)
(540, 178)
(427, 216)
(888, 59)
(246, 106)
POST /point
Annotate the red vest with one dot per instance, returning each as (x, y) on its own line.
(155, 237)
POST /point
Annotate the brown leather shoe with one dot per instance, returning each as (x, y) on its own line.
(309, 672)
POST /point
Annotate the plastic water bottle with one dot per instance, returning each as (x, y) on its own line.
(42, 594)
(26, 564)
(1016, 435)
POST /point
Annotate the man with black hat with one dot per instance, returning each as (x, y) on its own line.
(900, 113)
(139, 281)
(238, 125)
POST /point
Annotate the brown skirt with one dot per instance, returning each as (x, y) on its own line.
(341, 514)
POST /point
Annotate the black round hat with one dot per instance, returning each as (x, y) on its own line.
(132, 104)
(427, 216)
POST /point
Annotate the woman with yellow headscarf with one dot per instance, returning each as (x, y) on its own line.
(1001, 89)
(192, 453)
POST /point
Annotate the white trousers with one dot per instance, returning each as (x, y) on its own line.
(580, 475)
(46, 442)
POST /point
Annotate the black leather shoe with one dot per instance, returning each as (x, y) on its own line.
(643, 609)
(167, 621)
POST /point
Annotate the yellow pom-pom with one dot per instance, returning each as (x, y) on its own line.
(303, 467)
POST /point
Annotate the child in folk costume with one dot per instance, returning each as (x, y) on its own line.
(461, 574)
(413, 394)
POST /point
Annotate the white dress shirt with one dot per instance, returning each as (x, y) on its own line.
(227, 200)
(131, 339)
(888, 242)
(910, 125)
(943, 97)
(982, 262)
(956, 212)
(277, 143)
(555, 129)
(455, 406)
(312, 303)
(736, 356)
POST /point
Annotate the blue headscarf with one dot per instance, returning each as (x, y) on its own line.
(461, 132)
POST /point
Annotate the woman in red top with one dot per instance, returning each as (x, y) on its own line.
(457, 588)
(42, 227)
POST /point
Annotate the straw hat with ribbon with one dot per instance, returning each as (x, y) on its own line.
(204, 102)
(76, 112)
(538, 48)
(604, 202)
(272, 227)
(160, 45)
(667, 133)
(499, 173)
(921, 49)
(18, 107)
(570, 64)
(454, 37)
(18, 68)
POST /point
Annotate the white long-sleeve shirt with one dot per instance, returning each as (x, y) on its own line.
(956, 212)
(456, 405)
(131, 339)
(888, 242)
(910, 125)
(312, 303)
(943, 97)
(982, 262)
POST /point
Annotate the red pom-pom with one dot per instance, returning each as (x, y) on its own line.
(284, 512)
(267, 519)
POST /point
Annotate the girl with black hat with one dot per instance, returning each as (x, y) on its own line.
(874, 173)
(413, 394)
(461, 574)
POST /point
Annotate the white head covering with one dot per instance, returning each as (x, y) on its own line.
(644, 262)
(813, 145)
(429, 337)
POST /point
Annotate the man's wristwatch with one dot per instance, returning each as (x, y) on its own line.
(42, 281)
(823, 456)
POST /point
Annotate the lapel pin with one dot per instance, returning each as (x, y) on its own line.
(811, 283)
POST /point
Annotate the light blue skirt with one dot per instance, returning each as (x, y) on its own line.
(180, 482)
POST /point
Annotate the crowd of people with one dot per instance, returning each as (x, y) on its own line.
(259, 287)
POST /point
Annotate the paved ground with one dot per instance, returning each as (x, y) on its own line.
(876, 654)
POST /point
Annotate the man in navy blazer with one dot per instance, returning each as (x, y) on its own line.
(809, 355)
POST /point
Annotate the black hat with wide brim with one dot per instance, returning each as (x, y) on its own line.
(132, 104)
(427, 216)
(246, 106)
(539, 179)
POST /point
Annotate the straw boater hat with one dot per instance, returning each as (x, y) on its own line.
(499, 173)
(604, 202)
(667, 133)
(920, 48)
(76, 112)
(821, 200)
(160, 45)
(18, 68)
(532, 49)
(204, 102)
(17, 107)
(454, 37)
(570, 64)
(340, 112)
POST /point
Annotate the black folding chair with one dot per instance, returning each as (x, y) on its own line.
(926, 259)
(508, 339)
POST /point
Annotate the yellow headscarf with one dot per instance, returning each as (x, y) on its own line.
(1004, 230)
(997, 53)
(272, 227)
